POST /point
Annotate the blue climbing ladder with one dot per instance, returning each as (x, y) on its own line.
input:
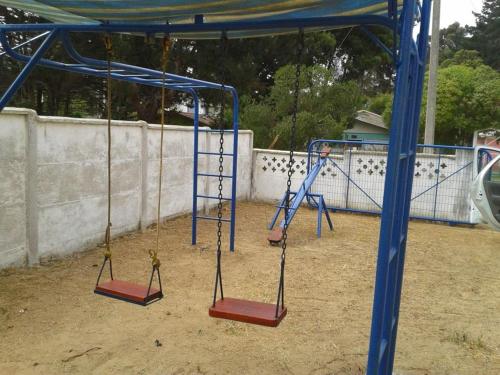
(226, 175)
(296, 198)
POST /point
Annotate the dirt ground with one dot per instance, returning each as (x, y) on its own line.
(52, 323)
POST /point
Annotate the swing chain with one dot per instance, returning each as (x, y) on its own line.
(218, 275)
(291, 161)
(293, 134)
(221, 144)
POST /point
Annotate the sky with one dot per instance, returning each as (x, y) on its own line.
(459, 10)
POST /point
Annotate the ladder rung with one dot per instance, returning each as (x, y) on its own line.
(211, 197)
(213, 175)
(216, 130)
(403, 156)
(212, 218)
(290, 208)
(213, 153)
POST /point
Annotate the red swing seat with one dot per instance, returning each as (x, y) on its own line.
(129, 292)
(259, 313)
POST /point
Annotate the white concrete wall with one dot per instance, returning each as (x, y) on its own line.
(53, 180)
(13, 194)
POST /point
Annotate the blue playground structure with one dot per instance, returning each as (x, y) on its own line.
(350, 179)
(408, 20)
(297, 197)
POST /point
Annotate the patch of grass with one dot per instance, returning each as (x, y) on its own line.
(468, 341)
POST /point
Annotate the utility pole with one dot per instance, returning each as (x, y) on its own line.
(430, 115)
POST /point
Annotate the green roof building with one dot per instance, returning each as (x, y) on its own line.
(367, 126)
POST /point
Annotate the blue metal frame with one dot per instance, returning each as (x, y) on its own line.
(397, 191)
(132, 74)
(312, 153)
(409, 57)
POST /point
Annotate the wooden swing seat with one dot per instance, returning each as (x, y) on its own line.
(275, 236)
(128, 292)
(263, 314)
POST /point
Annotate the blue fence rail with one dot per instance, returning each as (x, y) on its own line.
(353, 179)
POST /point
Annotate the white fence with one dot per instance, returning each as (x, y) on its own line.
(353, 180)
(53, 180)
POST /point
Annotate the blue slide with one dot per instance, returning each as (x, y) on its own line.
(296, 199)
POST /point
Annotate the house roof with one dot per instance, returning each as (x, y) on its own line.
(202, 119)
(371, 119)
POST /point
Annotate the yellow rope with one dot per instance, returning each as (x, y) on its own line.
(109, 51)
(167, 44)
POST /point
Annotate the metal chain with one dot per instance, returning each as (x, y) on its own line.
(296, 89)
(221, 142)
(293, 133)
(218, 276)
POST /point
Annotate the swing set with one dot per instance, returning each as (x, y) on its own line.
(198, 19)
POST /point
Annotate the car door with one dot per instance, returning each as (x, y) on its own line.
(485, 192)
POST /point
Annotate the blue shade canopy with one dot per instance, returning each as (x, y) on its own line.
(181, 11)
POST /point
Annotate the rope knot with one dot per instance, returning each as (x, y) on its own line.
(154, 259)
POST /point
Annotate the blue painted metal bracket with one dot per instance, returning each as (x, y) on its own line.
(31, 63)
(376, 40)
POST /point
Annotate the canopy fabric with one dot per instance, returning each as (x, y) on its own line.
(181, 11)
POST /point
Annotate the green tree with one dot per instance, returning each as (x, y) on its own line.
(452, 39)
(326, 107)
(382, 105)
(468, 99)
(486, 33)
(469, 58)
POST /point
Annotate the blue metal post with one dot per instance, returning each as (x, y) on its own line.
(348, 178)
(235, 167)
(320, 216)
(397, 193)
(421, 55)
(9, 93)
(379, 340)
(437, 186)
(195, 167)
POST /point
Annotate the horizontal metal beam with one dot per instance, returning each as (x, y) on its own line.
(280, 24)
